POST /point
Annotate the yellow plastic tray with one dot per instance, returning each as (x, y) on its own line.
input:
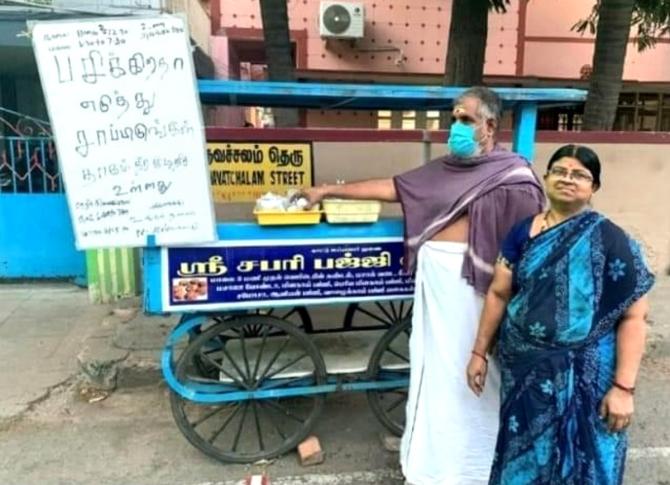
(282, 218)
(339, 211)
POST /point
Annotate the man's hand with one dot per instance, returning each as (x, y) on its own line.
(313, 195)
(617, 408)
(476, 374)
(373, 189)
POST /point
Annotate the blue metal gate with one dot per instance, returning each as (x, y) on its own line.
(36, 237)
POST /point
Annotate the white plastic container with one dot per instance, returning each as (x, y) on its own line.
(344, 211)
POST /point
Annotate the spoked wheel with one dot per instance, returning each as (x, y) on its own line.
(390, 362)
(379, 313)
(298, 316)
(239, 426)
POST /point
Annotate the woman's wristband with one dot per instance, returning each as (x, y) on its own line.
(629, 390)
(481, 356)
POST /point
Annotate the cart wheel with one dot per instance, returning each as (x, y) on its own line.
(390, 361)
(386, 313)
(298, 315)
(246, 429)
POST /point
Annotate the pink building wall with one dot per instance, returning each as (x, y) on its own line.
(552, 50)
(544, 47)
(224, 68)
(418, 29)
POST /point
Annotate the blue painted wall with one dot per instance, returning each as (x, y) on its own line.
(36, 238)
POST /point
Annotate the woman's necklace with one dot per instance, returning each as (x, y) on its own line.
(545, 221)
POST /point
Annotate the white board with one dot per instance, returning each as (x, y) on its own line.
(127, 121)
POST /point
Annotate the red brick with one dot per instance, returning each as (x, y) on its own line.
(310, 452)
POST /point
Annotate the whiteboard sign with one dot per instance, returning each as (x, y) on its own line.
(126, 117)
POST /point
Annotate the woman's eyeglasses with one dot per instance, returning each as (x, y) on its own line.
(576, 175)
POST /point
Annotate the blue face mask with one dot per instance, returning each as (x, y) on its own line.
(462, 142)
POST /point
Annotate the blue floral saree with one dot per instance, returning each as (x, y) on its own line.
(557, 352)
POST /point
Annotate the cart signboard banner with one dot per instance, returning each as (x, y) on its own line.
(239, 275)
(242, 172)
(123, 103)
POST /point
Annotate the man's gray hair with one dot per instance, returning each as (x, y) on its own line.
(490, 104)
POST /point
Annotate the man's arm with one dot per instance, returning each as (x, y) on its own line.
(374, 189)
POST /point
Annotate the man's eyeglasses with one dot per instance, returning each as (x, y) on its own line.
(576, 175)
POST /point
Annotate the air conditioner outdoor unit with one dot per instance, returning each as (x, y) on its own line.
(342, 20)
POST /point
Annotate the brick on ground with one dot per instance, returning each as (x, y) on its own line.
(310, 452)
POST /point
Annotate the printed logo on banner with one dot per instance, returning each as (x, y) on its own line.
(242, 172)
(286, 273)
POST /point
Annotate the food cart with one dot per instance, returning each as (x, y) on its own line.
(248, 369)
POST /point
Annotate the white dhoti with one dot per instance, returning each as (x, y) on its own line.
(450, 434)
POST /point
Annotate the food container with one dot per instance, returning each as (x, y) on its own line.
(345, 211)
(287, 218)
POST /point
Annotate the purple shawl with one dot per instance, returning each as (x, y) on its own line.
(496, 190)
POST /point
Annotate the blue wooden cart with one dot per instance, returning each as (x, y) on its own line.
(248, 371)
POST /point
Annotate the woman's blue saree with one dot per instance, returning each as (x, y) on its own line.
(557, 351)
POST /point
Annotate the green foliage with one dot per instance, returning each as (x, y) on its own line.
(499, 6)
(650, 17)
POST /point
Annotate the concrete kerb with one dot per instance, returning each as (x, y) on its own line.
(99, 359)
(125, 350)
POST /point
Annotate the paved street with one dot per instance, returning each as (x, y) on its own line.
(130, 438)
(49, 435)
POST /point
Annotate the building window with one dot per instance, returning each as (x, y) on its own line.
(665, 113)
(432, 120)
(560, 119)
(408, 120)
(384, 120)
(635, 112)
(648, 111)
(625, 117)
(643, 112)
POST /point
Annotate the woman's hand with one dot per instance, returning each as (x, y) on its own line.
(476, 374)
(617, 408)
(495, 303)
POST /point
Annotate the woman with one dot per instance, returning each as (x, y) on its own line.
(571, 287)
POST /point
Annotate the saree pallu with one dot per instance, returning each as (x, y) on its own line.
(558, 354)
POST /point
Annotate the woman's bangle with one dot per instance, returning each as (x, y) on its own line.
(629, 390)
(480, 355)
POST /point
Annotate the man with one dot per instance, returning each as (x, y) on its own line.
(457, 209)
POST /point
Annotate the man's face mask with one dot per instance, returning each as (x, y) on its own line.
(463, 140)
